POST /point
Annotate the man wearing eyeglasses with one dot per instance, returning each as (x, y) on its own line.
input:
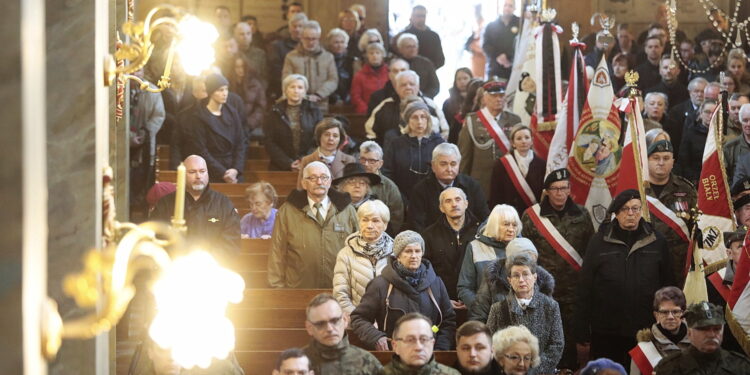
(330, 351)
(560, 229)
(371, 158)
(625, 263)
(413, 343)
(310, 229)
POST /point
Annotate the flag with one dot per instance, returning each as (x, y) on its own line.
(738, 306)
(695, 283)
(596, 153)
(713, 199)
(634, 166)
(519, 101)
(570, 114)
(548, 85)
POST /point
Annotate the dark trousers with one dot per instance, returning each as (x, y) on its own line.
(614, 347)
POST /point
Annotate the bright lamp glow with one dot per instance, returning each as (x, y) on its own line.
(195, 46)
(191, 302)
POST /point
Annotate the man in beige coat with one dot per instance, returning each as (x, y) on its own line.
(310, 229)
(315, 63)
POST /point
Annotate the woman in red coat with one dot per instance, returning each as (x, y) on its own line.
(372, 77)
(518, 176)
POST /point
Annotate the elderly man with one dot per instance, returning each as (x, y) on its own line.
(560, 229)
(211, 219)
(310, 229)
(736, 148)
(395, 66)
(670, 83)
(256, 57)
(329, 351)
(385, 121)
(499, 41)
(371, 158)
(315, 63)
(741, 201)
(704, 356)
(446, 239)
(484, 138)
(292, 362)
(278, 50)
(407, 46)
(424, 207)
(687, 111)
(670, 199)
(734, 127)
(474, 350)
(429, 41)
(413, 343)
(625, 263)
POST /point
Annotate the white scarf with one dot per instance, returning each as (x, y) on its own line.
(523, 161)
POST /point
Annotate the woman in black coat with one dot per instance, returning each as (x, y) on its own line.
(407, 284)
(452, 106)
(526, 161)
(243, 81)
(289, 126)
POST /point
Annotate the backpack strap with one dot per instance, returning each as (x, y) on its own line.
(432, 297)
(387, 307)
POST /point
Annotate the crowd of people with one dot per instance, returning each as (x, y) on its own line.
(450, 208)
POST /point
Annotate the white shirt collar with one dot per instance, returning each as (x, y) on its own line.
(324, 205)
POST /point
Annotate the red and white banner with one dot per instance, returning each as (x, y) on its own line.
(634, 167)
(518, 180)
(645, 356)
(492, 127)
(717, 280)
(548, 86)
(739, 299)
(553, 236)
(595, 154)
(668, 217)
(713, 198)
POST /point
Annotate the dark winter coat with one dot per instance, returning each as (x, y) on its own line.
(681, 115)
(429, 84)
(378, 96)
(345, 68)
(690, 159)
(377, 306)
(278, 132)
(500, 38)
(503, 191)
(676, 92)
(424, 203)
(452, 107)
(429, 45)
(407, 160)
(277, 52)
(253, 96)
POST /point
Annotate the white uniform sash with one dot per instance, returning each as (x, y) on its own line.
(489, 122)
(516, 177)
(553, 236)
(668, 217)
(645, 356)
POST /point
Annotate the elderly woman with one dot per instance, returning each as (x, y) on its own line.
(364, 255)
(370, 36)
(259, 222)
(496, 287)
(329, 135)
(407, 157)
(516, 350)
(336, 43)
(518, 177)
(289, 125)
(502, 226)
(526, 306)
(667, 335)
(407, 284)
(357, 182)
(372, 77)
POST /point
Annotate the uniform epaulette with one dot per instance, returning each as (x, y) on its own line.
(685, 180)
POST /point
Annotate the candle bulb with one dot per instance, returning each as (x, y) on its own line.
(179, 204)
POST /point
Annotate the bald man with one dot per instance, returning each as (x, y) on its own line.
(213, 223)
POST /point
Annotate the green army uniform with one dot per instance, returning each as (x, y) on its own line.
(343, 359)
(679, 195)
(396, 367)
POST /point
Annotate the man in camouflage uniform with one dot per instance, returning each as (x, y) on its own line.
(413, 342)
(574, 225)
(704, 356)
(676, 194)
(330, 351)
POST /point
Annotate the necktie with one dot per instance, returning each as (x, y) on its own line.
(318, 214)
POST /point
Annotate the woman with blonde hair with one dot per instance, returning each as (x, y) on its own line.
(516, 350)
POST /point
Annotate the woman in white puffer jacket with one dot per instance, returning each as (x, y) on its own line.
(364, 255)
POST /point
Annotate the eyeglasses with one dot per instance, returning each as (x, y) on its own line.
(676, 313)
(369, 161)
(518, 358)
(322, 178)
(356, 182)
(411, 340)
(632, 210)
(323, 324)
(525, 276)
(558, 189)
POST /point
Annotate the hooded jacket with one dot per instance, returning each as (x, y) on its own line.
(378, 306)
(354, 270)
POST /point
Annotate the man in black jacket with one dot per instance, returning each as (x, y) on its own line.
(446, 239)
(626, 262)
(499, 41)
(424, 208)
(211, 219)
(429, 41)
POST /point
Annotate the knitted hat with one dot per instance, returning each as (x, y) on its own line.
(597, 365)
(404, 239)
(413, 107)
(214, 82)
(520, 245)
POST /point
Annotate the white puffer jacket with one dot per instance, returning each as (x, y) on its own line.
(354, 271)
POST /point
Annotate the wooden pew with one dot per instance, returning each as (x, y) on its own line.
(250, 164)
(277, 338)
(280, 298)
(283, 182)
(255, 279)
(250, 262)
(262, 317)
(253, 152)
(240, 202)
(255, 245)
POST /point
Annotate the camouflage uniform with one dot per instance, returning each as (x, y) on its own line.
(576, 226)
(679, 195)
(396, 367)
(343, 359)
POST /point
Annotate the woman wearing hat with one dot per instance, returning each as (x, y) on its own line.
(215, 132)
(407, 284)
(329, 136)
(407, 158)
(518, 177)
(357, 182)
(364, 255)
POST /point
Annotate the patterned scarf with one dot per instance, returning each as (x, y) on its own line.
(377, 250)
(411, 277)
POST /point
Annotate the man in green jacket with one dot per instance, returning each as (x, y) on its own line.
(413, 342)
(310, 229)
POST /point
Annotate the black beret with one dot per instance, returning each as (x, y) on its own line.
(561, 174)
(623, 198)
(741, 192)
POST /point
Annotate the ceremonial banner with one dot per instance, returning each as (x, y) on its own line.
(714, 199)
(520, 95)
(595, 153)
(548, 84)
(738, 305)
(645, 356)
(695, 283)
(634, 166)
(570, 114)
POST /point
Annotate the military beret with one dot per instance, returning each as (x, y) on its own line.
(737, 235)
(741, 192)
(623, 198)
(494, 86)
(561, 174)
(660, 146)
(704, 314)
